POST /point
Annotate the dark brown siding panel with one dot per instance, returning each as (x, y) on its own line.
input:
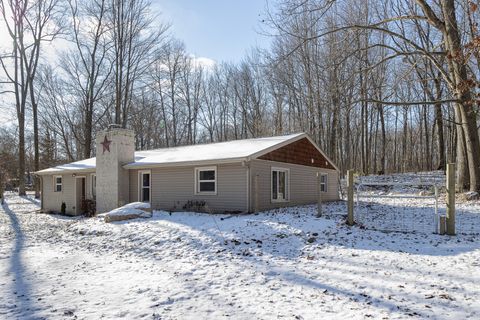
(299, 152)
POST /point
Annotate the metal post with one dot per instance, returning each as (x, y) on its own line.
(350, 220)
(451, 199)
(255, 183)
(319, 196)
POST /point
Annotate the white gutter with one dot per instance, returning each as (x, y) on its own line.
(247, 164)
(62, 171)
(139, 165)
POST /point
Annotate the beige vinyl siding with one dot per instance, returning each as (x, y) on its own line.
(123, 187)
(133, 190)
(52, 201)
(89, 182)
(173, 187)
(302, 184)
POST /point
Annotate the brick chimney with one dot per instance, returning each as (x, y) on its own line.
(115, 148)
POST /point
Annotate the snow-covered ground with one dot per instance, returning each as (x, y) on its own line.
(282, 264)
(410, 214)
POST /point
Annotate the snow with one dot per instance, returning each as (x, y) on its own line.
(284, 263)
(411, 214)
(471, 195)
(230, 150)
(82, 165)
(129, 211)
(236, 149)
(130, 208)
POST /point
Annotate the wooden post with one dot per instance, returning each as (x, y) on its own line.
(2, 191)
(255, 183)
(436, 209)
(450, 199)
(350, 220)
(319, 196)
(442, 225)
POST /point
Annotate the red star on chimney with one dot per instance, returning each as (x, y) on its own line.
(106, 144)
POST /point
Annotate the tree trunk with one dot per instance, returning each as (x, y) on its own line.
(404, 139)
(21, 156)
(458, 70)
(461, 159)
(384, 140)
(428, 162)
(88, 135)
(36, 181)
(439, 124)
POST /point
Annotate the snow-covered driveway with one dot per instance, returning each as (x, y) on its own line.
(283, 264)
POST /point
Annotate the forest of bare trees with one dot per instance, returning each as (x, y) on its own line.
(381, 86)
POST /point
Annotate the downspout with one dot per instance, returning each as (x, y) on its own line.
(41, 194)
(247, 164)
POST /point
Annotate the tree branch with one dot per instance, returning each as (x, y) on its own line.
(406, 103)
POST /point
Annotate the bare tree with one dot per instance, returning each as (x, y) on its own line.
(400, 22)
(135, 35)
(29, 25)
(87, 65)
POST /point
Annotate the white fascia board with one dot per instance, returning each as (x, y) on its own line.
(136, 165)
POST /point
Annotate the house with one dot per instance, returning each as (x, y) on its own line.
(236, 176)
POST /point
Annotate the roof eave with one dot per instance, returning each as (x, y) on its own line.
(277, 146)
(134, 165)
(323, 153)
(293, 139)
(63, 171)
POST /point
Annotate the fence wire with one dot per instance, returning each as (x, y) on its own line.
(406, 203)
(397, 214)
(467, 220)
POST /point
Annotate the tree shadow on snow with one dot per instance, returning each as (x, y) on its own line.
(31, 199)
(228, 232)
(21, 287)
(285, 250)
(410, 228)
(334, 233)
(286, 232)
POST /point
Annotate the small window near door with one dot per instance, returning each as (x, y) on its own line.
(323, 182)
(206, 180)
(57, 183)
(145, 186)
(280, 184)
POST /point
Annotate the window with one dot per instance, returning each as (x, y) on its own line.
(94, 186)
(145, 186)
(57, 183)
(280, 184)
(323, 182)
(206, 180)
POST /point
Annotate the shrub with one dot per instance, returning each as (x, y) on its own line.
(196, 206)
(89, 207)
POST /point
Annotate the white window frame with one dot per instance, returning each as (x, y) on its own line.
(140, 184)
(325, 183)
(197, 181)
(93, 181)
(287, 182)
(55, 183)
